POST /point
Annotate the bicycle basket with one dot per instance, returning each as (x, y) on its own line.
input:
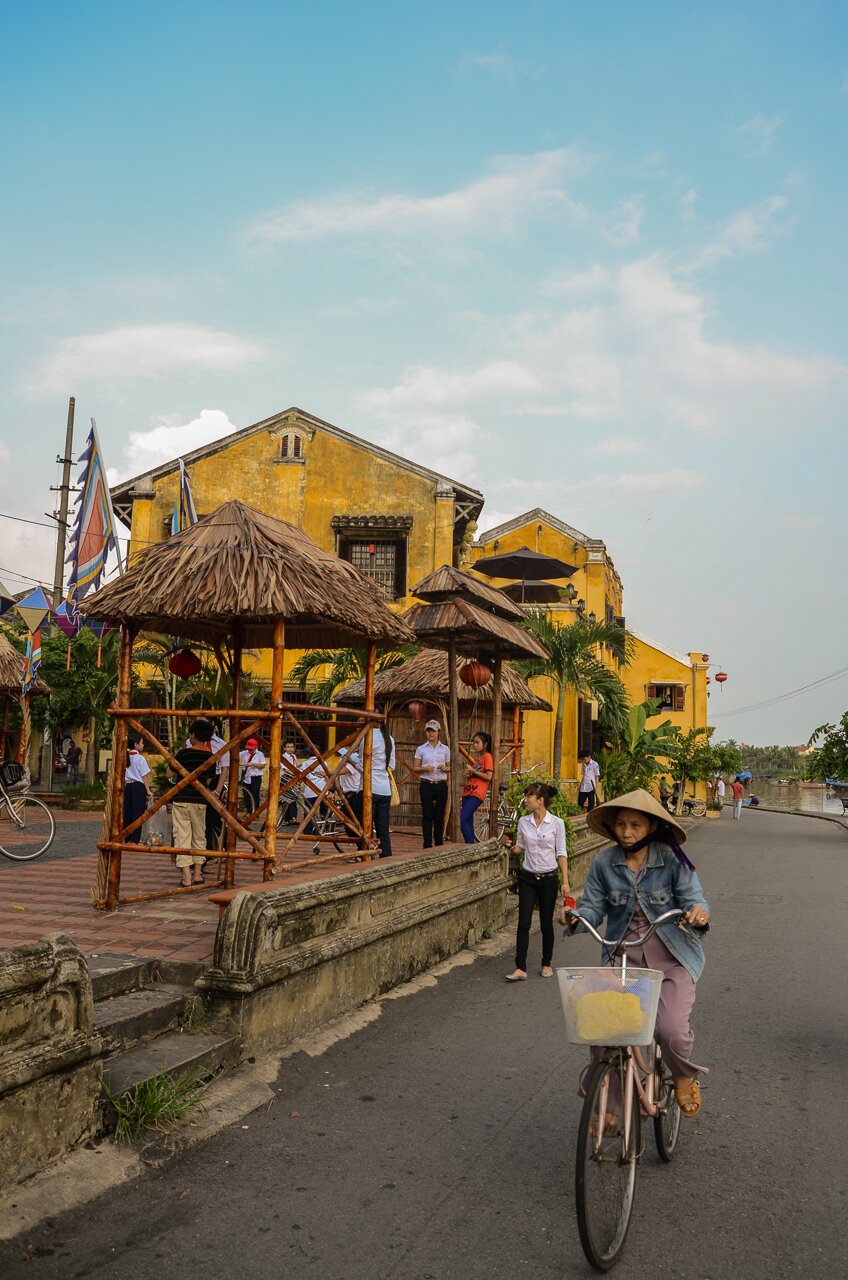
(600, 1010)
(12, 774)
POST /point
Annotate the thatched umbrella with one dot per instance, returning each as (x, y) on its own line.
(244, 576)
(464, 615)
(11, 670)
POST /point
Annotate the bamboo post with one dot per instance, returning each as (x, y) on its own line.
(516, 735)
(367, 793)
(453, 717)
(119, 753)
(497, 707)
(233, 778)
(275, 748)
(4, 726)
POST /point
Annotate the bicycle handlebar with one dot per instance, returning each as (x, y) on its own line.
(622, 944)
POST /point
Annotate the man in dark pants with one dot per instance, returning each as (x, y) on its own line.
(589, 774)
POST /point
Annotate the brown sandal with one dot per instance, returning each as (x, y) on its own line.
(688, 1096)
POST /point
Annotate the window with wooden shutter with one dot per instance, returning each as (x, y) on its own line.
(584, 727)
(679, 696)
(651, 691)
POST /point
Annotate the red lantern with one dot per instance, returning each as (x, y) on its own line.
(705, 657)
(721, 676)
(184, 663)
(417, 709)
(708, 680)
(475, 674)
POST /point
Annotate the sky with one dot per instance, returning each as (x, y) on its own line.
(583, 256)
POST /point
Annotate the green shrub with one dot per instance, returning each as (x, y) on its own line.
(157, 1104)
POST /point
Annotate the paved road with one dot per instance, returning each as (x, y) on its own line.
(76, 833)
(437, 1142)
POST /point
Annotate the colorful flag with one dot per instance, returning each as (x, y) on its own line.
(7, 600)
(34, 608)
(32, 661)
(68, 616)
(93, 534)
(187, 515)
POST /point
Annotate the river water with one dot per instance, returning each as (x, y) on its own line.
(794, 796)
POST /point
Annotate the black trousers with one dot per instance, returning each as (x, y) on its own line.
(586, 798)
(255, 787)
(434, 801)
(535, 891)
(382, 807)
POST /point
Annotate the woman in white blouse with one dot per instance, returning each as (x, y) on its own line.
(541, 838)
(382, 760)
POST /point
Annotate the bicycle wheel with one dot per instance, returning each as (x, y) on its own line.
(481, 823)
(667, 1120)
(27, 829)
(698, 808)
(606, 1166)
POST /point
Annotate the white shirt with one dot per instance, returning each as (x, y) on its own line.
(591, 773)
(253, 762)
(287, 758)
(720, 788)
(380, 785)
(437, 756)
(542, 845)
(350, 779)
(315, 781)
(137, 769)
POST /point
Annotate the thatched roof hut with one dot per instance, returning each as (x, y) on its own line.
(11, 669)
(446, 582)
(426, 677)
(239, 569)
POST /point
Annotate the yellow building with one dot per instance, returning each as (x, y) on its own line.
(393, 519)
(594, 589)
(397, 521)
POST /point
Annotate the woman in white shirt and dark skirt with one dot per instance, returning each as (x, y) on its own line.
(382, 760)
(137, 794)
(541, 838)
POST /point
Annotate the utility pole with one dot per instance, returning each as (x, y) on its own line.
(64, 494)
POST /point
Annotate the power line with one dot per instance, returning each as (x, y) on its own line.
(782, 697)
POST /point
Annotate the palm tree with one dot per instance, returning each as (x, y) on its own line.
(345, 666)
(574, 665)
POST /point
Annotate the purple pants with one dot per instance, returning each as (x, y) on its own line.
(677, 996)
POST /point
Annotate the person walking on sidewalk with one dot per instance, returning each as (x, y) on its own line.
(541, 838)
(738, 792)
(590, 772)
(432, 762)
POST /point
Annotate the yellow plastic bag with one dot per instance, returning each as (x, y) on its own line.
(605, 1014)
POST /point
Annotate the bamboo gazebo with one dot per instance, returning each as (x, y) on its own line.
(241, 579)
(467, 617)
(11, 670)
(420, 688)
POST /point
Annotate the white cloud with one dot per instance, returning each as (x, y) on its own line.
(687, 204)
(624, 225)
(620, 446)
(751, 230)
(119, 357)
(499, 63)
(169, 438)
(517, 187)
(759, 132)
(636, 357)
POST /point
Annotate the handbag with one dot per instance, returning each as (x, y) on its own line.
(395, 798)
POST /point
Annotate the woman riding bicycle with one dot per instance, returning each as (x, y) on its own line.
(643, 874)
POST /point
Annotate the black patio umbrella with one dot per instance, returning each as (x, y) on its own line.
(532, 592)
(530, 566)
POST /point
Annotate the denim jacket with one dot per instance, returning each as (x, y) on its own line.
(612, 889)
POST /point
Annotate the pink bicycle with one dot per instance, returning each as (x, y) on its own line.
(614, 1010)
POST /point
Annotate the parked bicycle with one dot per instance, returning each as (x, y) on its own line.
(692, 807)
(27, 827)
(614, 1010)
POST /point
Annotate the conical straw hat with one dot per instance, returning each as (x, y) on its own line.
(601, 820)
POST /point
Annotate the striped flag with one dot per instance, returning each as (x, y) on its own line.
(93, 534)
(32, 661)
(187, 515)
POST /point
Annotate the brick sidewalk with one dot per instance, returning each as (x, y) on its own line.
(54, 895)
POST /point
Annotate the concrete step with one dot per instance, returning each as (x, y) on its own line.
(112, 975)
(174, 1053)
(136, 1015)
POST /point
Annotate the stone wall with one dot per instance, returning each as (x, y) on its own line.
(49, 1081)
(288, 960)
